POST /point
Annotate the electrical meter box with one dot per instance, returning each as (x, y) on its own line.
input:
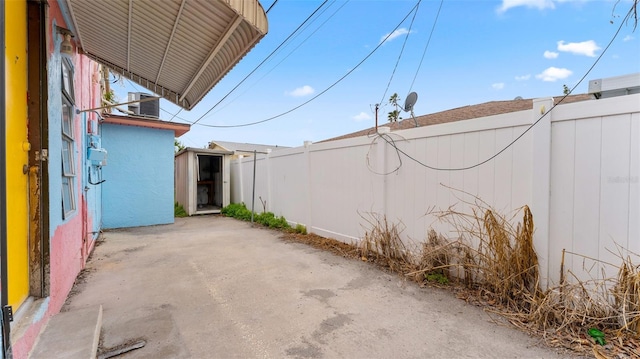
(97, 156)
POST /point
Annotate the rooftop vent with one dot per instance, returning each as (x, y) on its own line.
(615, 86)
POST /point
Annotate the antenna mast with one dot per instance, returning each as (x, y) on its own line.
(377, 106)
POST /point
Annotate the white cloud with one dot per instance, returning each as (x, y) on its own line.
(586, 48)
(523, 77)
(393, 35)
(628, 38)
(550, 55)
(498, 86)
(362, 116)
(552, 74)
(301, 91)
(532, 4)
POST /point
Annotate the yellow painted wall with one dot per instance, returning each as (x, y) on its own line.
(17, 156)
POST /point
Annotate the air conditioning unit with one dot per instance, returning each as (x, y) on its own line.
(150, 108)
(615, 86)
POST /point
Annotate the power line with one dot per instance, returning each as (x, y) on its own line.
(528, 128)
(427, 45)
(263, 61)
(270, 7)
(287, 56)
(382, 135)
(401, 52)
(322, 92)
(302, 29)
(175, 115)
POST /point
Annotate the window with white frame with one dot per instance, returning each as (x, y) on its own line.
(68, 161)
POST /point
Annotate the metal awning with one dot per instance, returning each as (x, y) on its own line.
(178, 49)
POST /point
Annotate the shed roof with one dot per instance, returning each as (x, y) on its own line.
(245, 147)
(139, 121)
(205, 151)
(464, 113)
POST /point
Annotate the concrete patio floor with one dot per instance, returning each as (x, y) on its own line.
(215, 287)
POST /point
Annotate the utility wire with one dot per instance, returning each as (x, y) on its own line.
(401, 52)
(528, 128)
(270, 7)
(263, 61)
(286, 57)
(300, 30)
(176, 114)
(375, 139)
(427, 45)
(322, 92)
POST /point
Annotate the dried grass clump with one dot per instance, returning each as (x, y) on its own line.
(383, 244)
(627, 296)
(563, 314)
(507, 263)
(436, 256)
(496, 256)
(501, 269)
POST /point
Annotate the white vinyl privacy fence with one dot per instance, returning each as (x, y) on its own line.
(578, 170)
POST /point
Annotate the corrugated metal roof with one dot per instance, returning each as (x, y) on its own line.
(178, 49)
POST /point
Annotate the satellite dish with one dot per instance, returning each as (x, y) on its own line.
(410, 101)
(518, 98)
(408, 105)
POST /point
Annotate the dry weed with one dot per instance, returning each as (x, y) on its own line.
(503, 266)
(495, 255)
(627, 296)
(383, 244)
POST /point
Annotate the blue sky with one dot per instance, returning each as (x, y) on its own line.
(479, 51)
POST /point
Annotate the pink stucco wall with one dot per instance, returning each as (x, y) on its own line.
(70, 242)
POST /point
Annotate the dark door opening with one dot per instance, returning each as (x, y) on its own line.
(209, 183)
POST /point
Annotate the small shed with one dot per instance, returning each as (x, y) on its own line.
(202, 180)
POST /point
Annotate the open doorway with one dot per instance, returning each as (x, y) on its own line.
(209, 178)
(202, 180)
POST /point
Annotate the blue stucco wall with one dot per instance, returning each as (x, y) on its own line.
(138, 190)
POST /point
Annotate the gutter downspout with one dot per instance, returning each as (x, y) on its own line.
(4, 298)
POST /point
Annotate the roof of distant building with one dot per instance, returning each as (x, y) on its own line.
(245, 147)
(464, 113)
